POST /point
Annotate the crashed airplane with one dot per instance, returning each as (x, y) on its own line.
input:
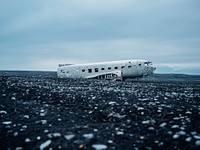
(113, 70)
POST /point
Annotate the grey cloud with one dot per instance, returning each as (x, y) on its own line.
(162, 31)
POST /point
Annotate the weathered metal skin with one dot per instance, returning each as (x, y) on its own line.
(118, 70)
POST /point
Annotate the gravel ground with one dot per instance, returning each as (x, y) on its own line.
(51, 113)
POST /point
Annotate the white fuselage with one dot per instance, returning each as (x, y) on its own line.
(107, 70)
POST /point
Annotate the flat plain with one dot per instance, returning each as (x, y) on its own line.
(43, 112)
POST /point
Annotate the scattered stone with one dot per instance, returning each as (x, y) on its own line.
(54, 135)
(99, 146)
(146, 122)
(176, 136)
(188, 139)
(15, 134)
(38, 138)
(112, 103)
(151, 128)
(7, 122)
(197, 143)
(27, 140)
(13, 98)
(45, 144)
(88, 136)
(41, 122)
(175, 126)
(26, 116)
(69, 137)
(110, 141)
(3, 112)
(163, 124)
(120, 133)
(197, 137)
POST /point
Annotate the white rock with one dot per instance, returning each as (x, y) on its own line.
(42, 114)
(95, 130)
(169, 132)
(112, 103)
(88, 136)
(69, 137)
(120, 133)
(146, 122)
(45, 144)
(27, 140)
(46, 131)
(126, 103)
(176, 136)
(3, 112)
(16, 134)
(197, 143)
(41, 121)
(188, 112)
(197, 137)
(26, 116)
(188, 139)
(163, 124)
(175, 126)
(51, 135)
(140, 108)
(110, 141)
(150, 128)
(176, 118)
(7, 122)
(181, 133)
(13, 98)
(99, 146)
(42, 110)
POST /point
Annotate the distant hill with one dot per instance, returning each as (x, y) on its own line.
(172, 77)
(29, 73)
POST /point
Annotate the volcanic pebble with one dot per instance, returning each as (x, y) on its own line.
(51, 113)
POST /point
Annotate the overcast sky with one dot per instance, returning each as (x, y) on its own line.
(40, 34)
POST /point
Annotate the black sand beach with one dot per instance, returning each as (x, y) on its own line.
(43, 112)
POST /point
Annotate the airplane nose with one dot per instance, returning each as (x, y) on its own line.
(154, 68)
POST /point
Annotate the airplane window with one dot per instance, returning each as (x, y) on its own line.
(129, 66)
(109, 68)
(116, 67)
(83, 70)
(122, 66)
(96, 69)
(102, 68)
(89, 70)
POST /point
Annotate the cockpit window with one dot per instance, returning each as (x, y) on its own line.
(148, 63)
